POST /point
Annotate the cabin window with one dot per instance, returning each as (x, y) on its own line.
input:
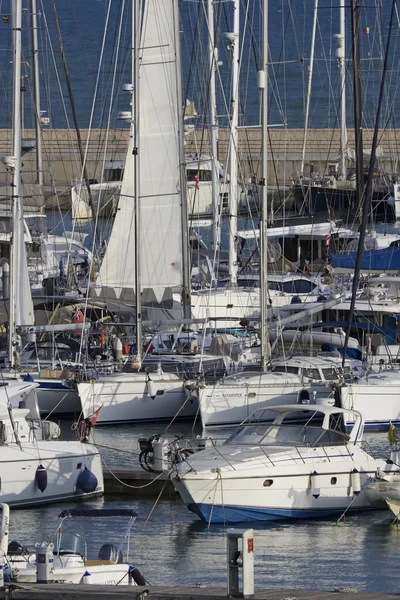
(268, 482)
(333, 480)
(3, 434)
(251, 395)
(311, 374)
(330, 374)
(285, 369)
(160, 393)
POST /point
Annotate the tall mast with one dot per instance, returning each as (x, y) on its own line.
(263, 86)
(186, 279)
(16, 177)
(310, 75)
(233, 39)
(135, 115)
(36, 90)
(213, 65)
(341, 56)
(355, 26)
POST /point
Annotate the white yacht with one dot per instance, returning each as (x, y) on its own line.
(303, 465)
(36, 467)
(233, 398)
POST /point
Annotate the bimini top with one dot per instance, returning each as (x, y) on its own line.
(97, 512)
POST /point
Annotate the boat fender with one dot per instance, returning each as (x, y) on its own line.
(315, 485)
(134, 575)
(150, 388)
(355, 482)
(41, 478)
(87, 578)
(87, 481)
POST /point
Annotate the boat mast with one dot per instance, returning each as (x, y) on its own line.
(233, 39)
(366, 204)
(15, 168)
(341, 56)
(213, 66)
(36, 90)
(186, 279)
(310, 75)
(135, 114)
(263, 87)
(355, 26)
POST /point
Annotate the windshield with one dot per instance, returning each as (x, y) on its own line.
(287, 434)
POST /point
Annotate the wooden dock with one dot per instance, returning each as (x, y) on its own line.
(77, 592)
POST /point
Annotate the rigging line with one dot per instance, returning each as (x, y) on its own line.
(368, 188)
(213, 502)
(156, 502)
(134, 487)
(71, 97)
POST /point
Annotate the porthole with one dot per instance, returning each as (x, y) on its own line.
(251, 395)
(333, 480)
(268, 482)
(160, 393)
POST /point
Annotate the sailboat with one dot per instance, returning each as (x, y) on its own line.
(146, 261)
(36, 467)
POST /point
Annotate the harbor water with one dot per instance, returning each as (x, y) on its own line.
(171, 546)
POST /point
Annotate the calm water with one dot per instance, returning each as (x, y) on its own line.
(173, 547)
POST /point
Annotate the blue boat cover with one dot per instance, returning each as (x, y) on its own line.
(382, 259)
(97, 512)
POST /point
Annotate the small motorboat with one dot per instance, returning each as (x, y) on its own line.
(66, 556)
(304, 465)
(383, 490)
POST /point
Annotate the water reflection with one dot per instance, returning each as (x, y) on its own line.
(173, 547)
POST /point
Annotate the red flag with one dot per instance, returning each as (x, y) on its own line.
(93, 418)
(196, 180)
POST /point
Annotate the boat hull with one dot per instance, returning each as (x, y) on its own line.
(130, 399)
(19, 486)
(224, 499)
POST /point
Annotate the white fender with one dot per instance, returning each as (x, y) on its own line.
(355, 482)
(5, 524)
(315, 482)
(150, 388)
(87, 578)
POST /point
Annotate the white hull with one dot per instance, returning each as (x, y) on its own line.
(70, 569)
(241, 496)
(63, 461)
(377, 398)
(128, 398)
(224, 405)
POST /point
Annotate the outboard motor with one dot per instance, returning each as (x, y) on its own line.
(109, 552)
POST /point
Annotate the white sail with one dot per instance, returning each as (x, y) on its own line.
(23, 309)
(159, 130)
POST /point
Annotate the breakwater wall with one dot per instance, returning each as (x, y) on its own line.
(62, 161)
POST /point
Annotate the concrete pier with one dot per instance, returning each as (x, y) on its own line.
(62, 166)
(77, 592)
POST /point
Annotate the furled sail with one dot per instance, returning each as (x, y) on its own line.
(159, 186)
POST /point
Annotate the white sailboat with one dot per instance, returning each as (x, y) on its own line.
(35, 466)
(146, 259)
